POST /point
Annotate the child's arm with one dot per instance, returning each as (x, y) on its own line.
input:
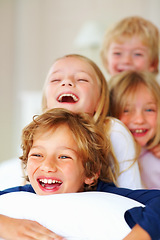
(124, 147)
(11, 228)
(137, 233)
(156, 150)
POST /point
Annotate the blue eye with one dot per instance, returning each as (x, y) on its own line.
(126, 110)
(138, 54)
(149, 110)
(117, 53)
(36, 155)
(64, 157)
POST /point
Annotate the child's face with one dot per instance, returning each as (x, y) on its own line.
(140, 115)
(131, 54)
(54, 165)
(73, 85)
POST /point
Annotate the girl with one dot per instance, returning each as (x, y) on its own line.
(65, 152)
(76, 83)
(135, 100)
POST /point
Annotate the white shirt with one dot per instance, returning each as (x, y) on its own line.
(124, 149)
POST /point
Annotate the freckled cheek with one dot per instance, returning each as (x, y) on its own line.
(73, 170)
(31, 167)
(124, 119)
(68, 169)
(154, 123)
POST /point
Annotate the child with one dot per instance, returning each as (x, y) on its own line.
(76, 83)
(131, 44)
(135, 100)
(65, 152)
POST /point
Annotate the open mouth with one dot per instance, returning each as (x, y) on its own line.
(139, 132)
(49, 184)
(120, 70)
(68, 98)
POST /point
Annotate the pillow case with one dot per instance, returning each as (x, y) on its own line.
(76, 216)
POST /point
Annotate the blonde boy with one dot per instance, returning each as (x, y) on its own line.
(131, 44)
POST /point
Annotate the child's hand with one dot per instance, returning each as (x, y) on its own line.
(156, 150)
(137, 233)
(22, 229)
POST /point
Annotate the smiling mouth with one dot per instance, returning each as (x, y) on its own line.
(68, 98)
(49, 184)
(139, 132)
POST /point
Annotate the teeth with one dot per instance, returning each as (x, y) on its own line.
(139, 130)
(49, 181)
(68, 95)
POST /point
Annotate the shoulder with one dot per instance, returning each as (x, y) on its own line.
(143, 196)
(117, 126)
(25, 188)
(119, 134)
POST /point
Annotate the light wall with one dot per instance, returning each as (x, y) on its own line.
(33, 34)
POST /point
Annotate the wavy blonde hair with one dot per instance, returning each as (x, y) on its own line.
(124, 85)
(103, 106)
(127, 28)
(93, 144)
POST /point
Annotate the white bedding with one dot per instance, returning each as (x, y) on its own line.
(76, 216)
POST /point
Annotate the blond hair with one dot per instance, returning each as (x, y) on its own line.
(103, 106)
(124, 85)
(93, 145)
(129, 27)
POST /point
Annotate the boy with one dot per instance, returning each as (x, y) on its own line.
(131, 44)
(66, 152)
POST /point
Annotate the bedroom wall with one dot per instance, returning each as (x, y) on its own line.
(33, 34)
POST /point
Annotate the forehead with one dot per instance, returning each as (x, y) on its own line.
(73, 65)
(57, 131)
(136, 41)
(136, 93)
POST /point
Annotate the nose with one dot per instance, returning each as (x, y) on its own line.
(48, 165)
(138, 118)
(126, 58)
(68, 82)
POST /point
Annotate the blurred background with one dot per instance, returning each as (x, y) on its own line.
(36, 32)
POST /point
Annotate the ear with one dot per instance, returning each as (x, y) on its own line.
(153, 66)
(89, 181)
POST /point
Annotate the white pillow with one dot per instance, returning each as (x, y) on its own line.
(76, 216)
(11, 174)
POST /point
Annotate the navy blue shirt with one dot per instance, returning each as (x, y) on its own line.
(147, 217)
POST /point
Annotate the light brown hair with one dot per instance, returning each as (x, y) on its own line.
(93, 145)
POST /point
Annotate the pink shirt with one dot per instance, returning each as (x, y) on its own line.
(149, 169)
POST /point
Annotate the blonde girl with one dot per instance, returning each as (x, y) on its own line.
(135, 100)
(74, 82)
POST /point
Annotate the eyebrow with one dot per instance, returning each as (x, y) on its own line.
(60, 148)
(77, 71)
(118, 45)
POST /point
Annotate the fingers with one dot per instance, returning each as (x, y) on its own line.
(156, 151)
(22, 229)
(36, 231)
